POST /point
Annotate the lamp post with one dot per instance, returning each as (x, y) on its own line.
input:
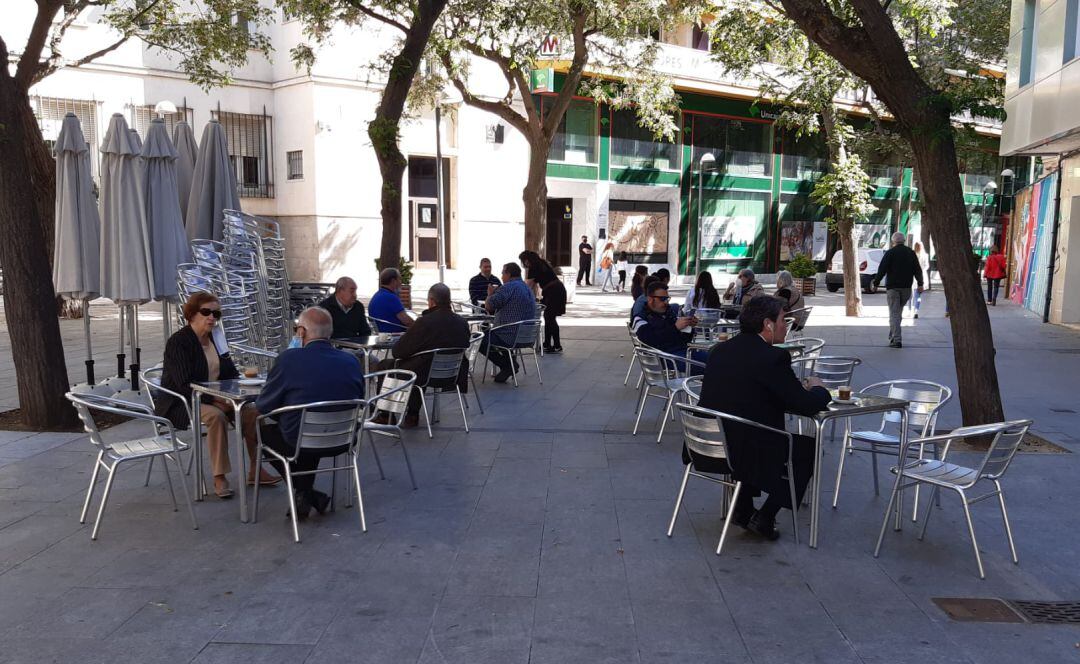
(440, 220)
(710, 160)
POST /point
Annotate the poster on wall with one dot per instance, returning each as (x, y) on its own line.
(638, 232)
(727, 238)
(872, 236)
(803, 237)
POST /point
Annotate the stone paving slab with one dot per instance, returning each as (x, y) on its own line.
(540, 537)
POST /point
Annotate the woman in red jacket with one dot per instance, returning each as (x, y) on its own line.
(994, 273)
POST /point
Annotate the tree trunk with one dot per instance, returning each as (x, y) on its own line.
(535, 197)
(384, 129)
(29, 299)
(852, 280)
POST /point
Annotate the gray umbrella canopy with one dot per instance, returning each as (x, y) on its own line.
(213, 186)
(126, 271)
(78, 227)
(187, 149)
(135, 139)
(168, 242)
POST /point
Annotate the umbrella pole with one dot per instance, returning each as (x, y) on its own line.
(120, 356)
(89, 350)
(133, 335)
(166, 322)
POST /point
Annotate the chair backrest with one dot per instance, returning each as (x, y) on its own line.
(326, 424)
(703, 431)
(475, 339)
(380, 325)
(655, 367)
(527, 331)
(693, 388)
(925, 400)
(833, 371)
(811, 346)
(84, 403)
(1003, 448)
(393, 396)
(151, 380)
(445, 363)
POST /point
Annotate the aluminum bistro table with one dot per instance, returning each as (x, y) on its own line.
(867, 404)
(366, 344)
(239, 396)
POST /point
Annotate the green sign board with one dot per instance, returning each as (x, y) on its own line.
(542, 80)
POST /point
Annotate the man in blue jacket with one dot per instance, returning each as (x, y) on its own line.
(315, 372)
(660, 327)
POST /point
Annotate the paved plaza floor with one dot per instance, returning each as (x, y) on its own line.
(540, 536)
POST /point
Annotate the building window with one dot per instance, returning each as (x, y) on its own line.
(142, 115)
(701, 39)
(805, 157)
(295, 160)
(242, 23)
(1027, 46)
(250, 139)
(1072, 30)
(740, 147)
(635, 146)
(50, 112)
(576, 139)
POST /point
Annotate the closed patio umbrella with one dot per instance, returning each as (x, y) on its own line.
(135, 139)
(168, 242)
(187, 149)
(76, 272)
(213, 186)
(126, 270)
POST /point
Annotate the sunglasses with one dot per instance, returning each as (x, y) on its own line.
(662, 298)
(205, 311)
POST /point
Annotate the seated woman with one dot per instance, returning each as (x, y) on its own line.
(192, 357)
(792, 298)
(540, 275)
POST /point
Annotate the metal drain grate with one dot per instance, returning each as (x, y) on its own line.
(1054, 613)
(978, 609)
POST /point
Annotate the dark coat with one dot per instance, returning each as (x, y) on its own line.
(899, 266)
(435, 328)
(184, 364)
(347, 325)
(478, 286)
(316, 372)
(658, 331)
(749, 378)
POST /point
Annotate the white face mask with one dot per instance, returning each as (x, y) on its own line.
(295, 342)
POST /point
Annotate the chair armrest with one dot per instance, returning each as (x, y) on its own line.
(251, 350)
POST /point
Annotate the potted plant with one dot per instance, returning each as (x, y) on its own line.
(804, 272)
(406, 270)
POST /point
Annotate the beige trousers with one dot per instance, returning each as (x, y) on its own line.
(216, 425)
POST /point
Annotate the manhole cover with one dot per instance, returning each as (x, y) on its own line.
(1059, 613)
(978, 609)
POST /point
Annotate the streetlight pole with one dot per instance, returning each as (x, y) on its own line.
(706, 158)
(440, 220)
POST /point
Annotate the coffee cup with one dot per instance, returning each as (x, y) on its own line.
(722, 336)
(251, 372)
(844, 392)
(384, 337)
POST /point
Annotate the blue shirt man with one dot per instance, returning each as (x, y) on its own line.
(386, 306)
(510, 303)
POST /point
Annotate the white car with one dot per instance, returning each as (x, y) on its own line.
(868, 261)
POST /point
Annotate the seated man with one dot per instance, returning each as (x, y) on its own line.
(315, 372)
(350, 321)
(748, 378)
(511, 302)
(659, 326)
(438, 327)
(745, 288)
(385, 305)
(478, 285)
(641, 304)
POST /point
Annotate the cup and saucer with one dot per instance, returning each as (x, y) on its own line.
(850, 400)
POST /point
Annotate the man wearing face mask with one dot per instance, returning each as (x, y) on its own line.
(386, 307)
(316, 371)
(749, 378)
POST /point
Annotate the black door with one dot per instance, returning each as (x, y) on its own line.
(560, 224)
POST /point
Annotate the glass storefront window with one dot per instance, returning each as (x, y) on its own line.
(576, 139)
(635, 146)
(805, 157)
(740, 147)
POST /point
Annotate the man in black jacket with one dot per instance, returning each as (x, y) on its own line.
(659, 326)
(478, 285)
(749, 378)
(898, 266)
(346, 311)
(438, 327)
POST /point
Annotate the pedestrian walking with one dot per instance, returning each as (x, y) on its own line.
(924, 265)
(899, 266)
(607, 267)
(994, 273)
(621, 266)
(584, 251)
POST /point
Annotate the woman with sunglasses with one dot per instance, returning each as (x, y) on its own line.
(191, 357)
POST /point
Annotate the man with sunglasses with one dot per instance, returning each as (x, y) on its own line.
(660, 326)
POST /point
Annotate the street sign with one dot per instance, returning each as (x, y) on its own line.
(542, 80)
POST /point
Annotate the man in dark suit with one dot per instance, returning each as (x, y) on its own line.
(748, 378)
(315, 372)
(438, 327)
(348, 313)
(478, 285)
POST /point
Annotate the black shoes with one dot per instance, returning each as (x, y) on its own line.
(302, 504)
(553, 349)
(742, 519)
(762, 527)
(896, 344)
(503, 376)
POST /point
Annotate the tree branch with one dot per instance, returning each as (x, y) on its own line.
(498, 109)
(35, 43)
(359, 6)
(573, 77)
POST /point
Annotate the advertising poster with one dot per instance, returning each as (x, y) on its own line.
(726, 238)
(872, 236)
(804, 237)
(638, 232)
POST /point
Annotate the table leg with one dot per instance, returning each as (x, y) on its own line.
(196, 432)
(241, 457)
(815, 506)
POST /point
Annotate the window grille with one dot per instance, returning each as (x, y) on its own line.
(50, 112)
(250, 140)
(142, 115)
(295, 160)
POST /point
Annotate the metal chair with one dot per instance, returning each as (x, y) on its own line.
(445, 367)
(151, 380)
(525, 333)
(832, 370)
(793, 317)
(633, 356)
(380, 325)
(703, 434)
(112, 454)
(811, 347)
(941, 474)
(391, 389)
(475, 339)
(926, 399)
(324, 425)
(661, 372)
